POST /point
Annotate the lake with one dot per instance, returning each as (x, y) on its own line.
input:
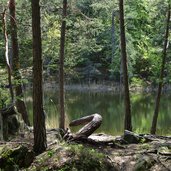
(110, 106)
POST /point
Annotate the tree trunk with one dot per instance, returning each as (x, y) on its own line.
(157, 104)
(40, 142)
(6, 55)
(1, 127)
(21, 107)
(128, 124)
(61, 68)
(113, 34)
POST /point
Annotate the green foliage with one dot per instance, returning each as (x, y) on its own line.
(4, 99)
(79, 150)
(4, 90)
(24, 30)
(14, 158)
(86, 159)
(89, 41)
(135, 82)
(50, 153)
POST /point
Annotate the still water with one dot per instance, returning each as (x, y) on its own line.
(111, 107)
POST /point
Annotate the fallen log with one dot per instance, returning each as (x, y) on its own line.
(92, 123)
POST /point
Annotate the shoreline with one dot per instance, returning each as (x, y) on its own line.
(114, 88)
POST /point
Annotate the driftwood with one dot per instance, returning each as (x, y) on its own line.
(92, 123)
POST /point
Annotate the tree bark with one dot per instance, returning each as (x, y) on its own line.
(160, 84)
(40, 142)
(61, 68)
(21, 107)
(6, 55)
(127, 124)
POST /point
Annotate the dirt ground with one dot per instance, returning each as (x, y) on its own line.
(153, 156)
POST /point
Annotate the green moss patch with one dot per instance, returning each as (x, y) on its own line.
(72, 157)
(15, 158)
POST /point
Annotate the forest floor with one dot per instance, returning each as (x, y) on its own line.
(155, 155)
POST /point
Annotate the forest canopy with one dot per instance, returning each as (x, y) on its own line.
(92, 39)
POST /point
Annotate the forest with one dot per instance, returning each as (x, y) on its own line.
(85, 85)
(92, 39)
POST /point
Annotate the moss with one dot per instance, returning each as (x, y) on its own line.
(85, 152)
(84, 159)
(71, 158)
(50, 153)
(44, 157)
(145, 146)
(13, 158)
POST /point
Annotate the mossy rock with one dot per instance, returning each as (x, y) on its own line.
(13, 158)
(87, 159)
(88, 165)
(133, 138)
(72, 158)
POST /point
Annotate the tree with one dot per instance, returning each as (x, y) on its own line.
(127, 124)
(21, 107)
(61, 67)
(7, 55)
(40, 142)
(160, 84)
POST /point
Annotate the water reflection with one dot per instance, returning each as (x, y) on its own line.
(111, 107)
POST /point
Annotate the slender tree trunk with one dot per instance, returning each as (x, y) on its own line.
(128, 124)
(113, 34)
(21, 107)
(160, 84)
(1, 127)
(121, 76)
(40, 142)
(61, 68)
(6, 55)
